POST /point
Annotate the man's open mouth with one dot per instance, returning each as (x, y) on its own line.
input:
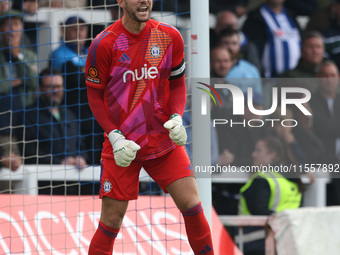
(142, 9)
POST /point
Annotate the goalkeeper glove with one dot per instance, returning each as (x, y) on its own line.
(177, 131)
(124, 151)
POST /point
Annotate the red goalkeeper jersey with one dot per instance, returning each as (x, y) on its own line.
(134, 70)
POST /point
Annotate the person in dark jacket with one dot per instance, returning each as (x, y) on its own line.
(312, 56)
(325, 104)
(52, 134)
(18, 84)
(69, 59)
(52, 131)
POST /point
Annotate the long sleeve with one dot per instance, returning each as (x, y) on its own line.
(97, 105)
(178, 95)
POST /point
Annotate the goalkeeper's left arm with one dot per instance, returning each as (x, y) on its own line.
(177, 101)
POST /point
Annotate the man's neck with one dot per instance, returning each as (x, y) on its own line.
(133, 26)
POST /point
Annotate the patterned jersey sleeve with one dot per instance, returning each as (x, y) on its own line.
(98, 61)
(178, 64)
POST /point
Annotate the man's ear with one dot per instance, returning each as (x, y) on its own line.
(121, 3)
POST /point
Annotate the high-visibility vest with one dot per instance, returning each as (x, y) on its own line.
(284, 194)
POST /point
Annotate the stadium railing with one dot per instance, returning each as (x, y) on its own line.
(25, 180)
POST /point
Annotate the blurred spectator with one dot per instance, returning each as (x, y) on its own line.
(18, 82)
(5, 5)
(52, 131)
(18, 65)
(331, 35)
(220, 65)
(227, 19)
(276, 35)
(52, 135)
(220, 62)
(241, 69)
(325, 104)
(26, 6)
(312, 54)
(70, 60)
(72, 50)
(267, 192)
(269, 151)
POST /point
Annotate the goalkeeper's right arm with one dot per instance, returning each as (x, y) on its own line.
(124, 151)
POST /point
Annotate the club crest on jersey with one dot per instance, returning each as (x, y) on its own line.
(107, 186)
(155, 51)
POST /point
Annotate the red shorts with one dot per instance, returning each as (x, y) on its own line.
(122, 183)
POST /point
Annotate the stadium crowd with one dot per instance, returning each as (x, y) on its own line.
(45, 117)
(269, 39)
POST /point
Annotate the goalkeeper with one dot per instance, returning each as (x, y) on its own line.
(137, 93)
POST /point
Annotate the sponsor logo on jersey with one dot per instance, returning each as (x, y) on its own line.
(107, 186)
(155, 51)
(93, 75)
(142, 73)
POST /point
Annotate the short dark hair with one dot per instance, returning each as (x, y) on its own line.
(326, 62)
(310, 34)
(228, 32)
(49, 71)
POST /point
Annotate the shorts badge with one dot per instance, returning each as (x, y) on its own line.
(107, 186)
